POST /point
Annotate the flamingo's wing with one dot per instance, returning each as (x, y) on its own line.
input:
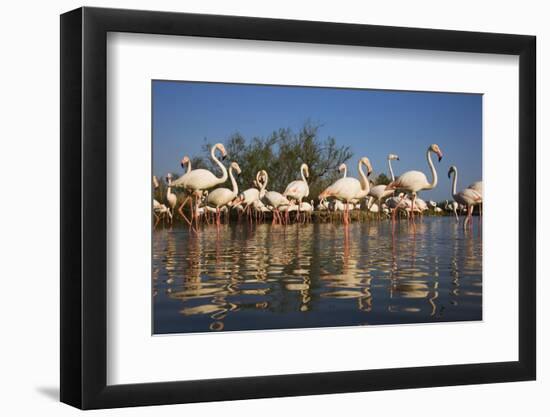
(297, 189)
(473, 195)
(477, 186)
(409, 180)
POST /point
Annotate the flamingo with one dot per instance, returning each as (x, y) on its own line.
(349, 188)
(397, 202)
(299, 189)
(307, 209)
(155, 186)
(415, 181)
(250, 196)
(382, 191)
(275, 200)
(421, 205)
(323, 205)
(220, 197)
(468, 196)
(372, 206)
(185, 161)
(452, 206)
(478, 186)
(260, 209)
(159, 209)
(343, 168)
(196, 181)
(171, 198)
(156, 203)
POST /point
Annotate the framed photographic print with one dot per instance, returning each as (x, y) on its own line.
(294, 207)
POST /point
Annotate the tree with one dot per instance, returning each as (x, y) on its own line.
(382, 179)
(281, 154)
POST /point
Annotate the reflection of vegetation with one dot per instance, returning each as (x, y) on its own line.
(281, 154)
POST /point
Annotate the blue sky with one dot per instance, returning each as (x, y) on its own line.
(372, 122)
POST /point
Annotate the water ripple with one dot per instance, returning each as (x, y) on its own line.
(241, 277)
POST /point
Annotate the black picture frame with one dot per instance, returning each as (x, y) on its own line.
(84, 207)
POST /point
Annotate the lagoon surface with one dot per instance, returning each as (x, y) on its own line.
(251, 277)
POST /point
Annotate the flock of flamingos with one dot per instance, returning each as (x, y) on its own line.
(343, 196)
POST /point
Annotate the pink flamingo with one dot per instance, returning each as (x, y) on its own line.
(469, 196)
(220, 197)
(415, 181)
(382, 191)
(348, 188)
(195, 182)
(298, 189)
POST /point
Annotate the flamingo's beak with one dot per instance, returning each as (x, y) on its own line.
(440, 156)
(224, 156)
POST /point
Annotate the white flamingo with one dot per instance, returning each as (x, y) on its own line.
(275, 200)
(452, 206)
(382, 191)
(396, 203)
(468, 196)
(171, 198)
(349, 189)
(421, 206)
(156, 203)
(343, 169)
(298, 189)
(323, 205)
(155, 186)
(372, 206)
(478, 186)
(161, 211)
(220, 197)
(198, 180)
(185, 161)
(307, 209)
(415, 181)
(250, 196)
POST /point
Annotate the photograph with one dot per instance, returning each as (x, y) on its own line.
(302, 207)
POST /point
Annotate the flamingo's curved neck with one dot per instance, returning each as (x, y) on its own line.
(169, 189)
(365, 186)
(233, 181)
(223, 178)
(455, 180)
(262, 184)
(188, 166)
(345, 171)
(302, 169)
(391, 170)
(432, 168)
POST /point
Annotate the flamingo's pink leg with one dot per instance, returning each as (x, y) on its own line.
(180, 210)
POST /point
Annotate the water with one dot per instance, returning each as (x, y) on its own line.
(241, 277)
